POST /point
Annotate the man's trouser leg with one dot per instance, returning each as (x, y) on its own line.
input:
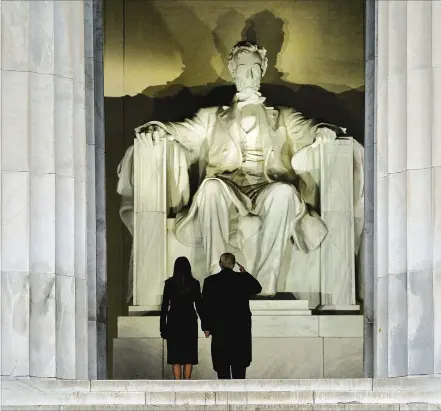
(223, 372)
(238, 372)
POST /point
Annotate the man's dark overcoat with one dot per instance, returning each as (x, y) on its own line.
(227, 316)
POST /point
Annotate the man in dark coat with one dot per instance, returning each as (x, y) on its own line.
(227, 317)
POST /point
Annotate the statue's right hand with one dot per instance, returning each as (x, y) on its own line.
(151, 133)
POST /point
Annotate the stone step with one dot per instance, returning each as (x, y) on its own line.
(399, 384)
(223, 398)
(348, 394)
(220, 407)
(231, 407)
(254, 385)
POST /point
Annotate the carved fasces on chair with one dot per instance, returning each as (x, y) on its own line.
(326, 179)
(161, 184)
(150, 203)
(337, 252)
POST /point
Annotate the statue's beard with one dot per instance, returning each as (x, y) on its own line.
(253, 84)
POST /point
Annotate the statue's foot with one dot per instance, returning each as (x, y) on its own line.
(267, 294)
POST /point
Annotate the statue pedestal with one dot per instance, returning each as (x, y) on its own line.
(258, 307)
(288, 342)
(339, 308)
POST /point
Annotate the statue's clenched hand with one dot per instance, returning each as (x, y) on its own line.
(151, 134)
(325, 135)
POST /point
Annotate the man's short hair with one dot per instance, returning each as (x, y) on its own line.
(227, 260)
(247, 47)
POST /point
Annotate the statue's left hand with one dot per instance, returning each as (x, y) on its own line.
(325, 135)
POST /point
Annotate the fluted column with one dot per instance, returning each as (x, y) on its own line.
(96, 196)
(407, 263)
(45, 189)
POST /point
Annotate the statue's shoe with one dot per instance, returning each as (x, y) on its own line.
(267, 294)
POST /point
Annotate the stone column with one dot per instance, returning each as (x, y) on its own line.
(47, 144)
(407, 325)
(96, 196)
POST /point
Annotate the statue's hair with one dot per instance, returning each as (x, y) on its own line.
(247, 47)
(227, 260)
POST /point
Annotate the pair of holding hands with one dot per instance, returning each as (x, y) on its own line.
(241, 269)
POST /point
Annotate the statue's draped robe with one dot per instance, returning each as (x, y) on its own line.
(211, 139)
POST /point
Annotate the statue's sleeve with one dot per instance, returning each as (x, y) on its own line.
(358, 192)
(191, 132)
(125, 188)
(302, 130)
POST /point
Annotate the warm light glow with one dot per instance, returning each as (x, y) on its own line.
(322, 41)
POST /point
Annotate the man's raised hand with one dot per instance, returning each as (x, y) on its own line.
(241, 267)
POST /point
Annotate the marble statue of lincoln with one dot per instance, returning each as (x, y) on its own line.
(244, 151)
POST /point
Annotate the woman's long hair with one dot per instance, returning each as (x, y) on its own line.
(182, 276)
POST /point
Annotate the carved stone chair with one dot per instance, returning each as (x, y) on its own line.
(331, 175)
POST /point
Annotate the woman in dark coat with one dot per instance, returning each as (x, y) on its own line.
(179, 321)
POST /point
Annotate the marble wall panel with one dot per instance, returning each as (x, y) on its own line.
(436, 120)
(42, 223)
(285, 326)
(381, 348)
(41, 37)
(15, 36)
(92, 351)
(15, 221)
(15, 323)
(437, 321)
(64, 38)
(262, 326)
(287, 358)
(42, 327)
(343, 357)
(65, 225)
(341, 326)
(65, 326)
(397, 217)
(419, 220)
(273, 358)
(397, 324)
(138, 358)
(41, 121)
(420, 332)
(81, 330)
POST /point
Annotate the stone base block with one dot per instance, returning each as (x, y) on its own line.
(284, 347)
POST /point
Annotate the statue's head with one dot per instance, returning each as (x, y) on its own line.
(247, 63)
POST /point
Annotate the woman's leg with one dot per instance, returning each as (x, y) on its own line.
(177, 371)
(188, 368)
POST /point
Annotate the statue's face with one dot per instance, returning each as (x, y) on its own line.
(248, 71)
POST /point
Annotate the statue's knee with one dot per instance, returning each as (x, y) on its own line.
(211, 188)
(282, 191)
